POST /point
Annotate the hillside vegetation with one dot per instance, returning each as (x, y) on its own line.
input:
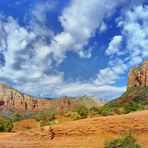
(133, 99)
(138, 94)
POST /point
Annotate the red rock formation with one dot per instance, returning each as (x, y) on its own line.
(138, 76)
(15, 100)
(66, 104)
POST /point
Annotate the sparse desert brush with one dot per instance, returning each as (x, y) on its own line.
(16, 117)
(47, 123)
(83, 112)
(69, 114)
(45, 118)
(5, 125)
(132, 106)
(125, 141)
(76, 116)
(93, 111)
(128, 107)
(107, 110)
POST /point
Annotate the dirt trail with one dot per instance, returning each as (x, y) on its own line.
(89, 133)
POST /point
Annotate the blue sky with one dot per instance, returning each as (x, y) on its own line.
(52, 48)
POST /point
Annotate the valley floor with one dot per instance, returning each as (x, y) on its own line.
(86, 133)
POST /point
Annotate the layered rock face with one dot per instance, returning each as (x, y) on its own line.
(138, 76)
(66, 104)
(14, 100)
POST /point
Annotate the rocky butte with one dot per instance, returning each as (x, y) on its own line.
(137, 87)
(138, 76)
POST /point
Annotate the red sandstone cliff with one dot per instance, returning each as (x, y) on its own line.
(14, 100)
(138, 76)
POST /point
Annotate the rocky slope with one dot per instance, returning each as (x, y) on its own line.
(137, 87)
(16, 101)
(89, 101)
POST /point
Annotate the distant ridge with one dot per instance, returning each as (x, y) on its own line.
(89, 101)
(13, 100)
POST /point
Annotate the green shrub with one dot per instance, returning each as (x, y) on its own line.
(94, 111)
(132, 106)
(67, 115)
(44, 116)
(83, 112)
(16, 117)
(5, 125)
(76, 117)
(126, 141)
(126, 108)
(38, 117)
(107, 110)
(47, 123)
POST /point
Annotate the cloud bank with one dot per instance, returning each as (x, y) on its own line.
(130, 46)
(31, 53)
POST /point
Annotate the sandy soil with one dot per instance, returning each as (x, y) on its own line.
(25, 125)
(87, 133)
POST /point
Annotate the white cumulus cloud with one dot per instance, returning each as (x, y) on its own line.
(134, 36)
(114, 45)
(30, 51)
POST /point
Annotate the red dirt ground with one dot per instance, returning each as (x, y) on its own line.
(86, 133)
(25, 124)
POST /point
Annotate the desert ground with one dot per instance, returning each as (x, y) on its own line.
(90, 132)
